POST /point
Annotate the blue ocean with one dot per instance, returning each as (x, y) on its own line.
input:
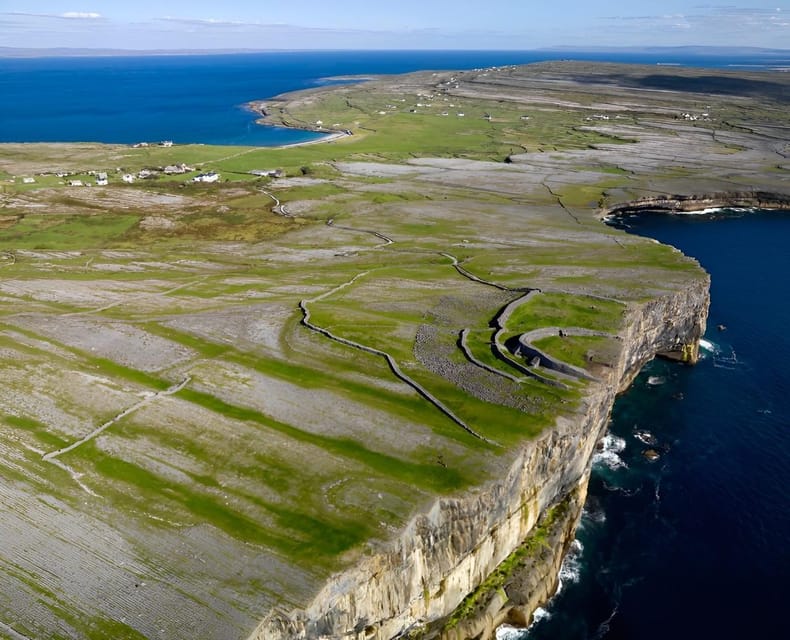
(201, 98)
(692, 545)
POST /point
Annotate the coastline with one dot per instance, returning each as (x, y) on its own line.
(415, 571)
(699, 202)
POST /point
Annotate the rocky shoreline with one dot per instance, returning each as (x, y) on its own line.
(412, 589)
(701, 202)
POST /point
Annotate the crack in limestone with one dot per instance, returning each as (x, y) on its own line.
(560, 203)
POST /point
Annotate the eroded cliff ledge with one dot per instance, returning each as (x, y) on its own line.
(412, 588)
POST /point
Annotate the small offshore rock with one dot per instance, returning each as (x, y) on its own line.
(644, 436)
(651, 455)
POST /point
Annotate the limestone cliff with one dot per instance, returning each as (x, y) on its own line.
(697, 202)
(444, 554)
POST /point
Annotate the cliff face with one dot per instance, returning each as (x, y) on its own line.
(444, 554)
(697, 202)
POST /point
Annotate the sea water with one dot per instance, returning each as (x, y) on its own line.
(186, 99)
(201, 98)
(695, 544)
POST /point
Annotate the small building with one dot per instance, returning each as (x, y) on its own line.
(75, 183)
(175, 169)
(101, 179)
(211, 176)
(128, 178)
(268, 173)
(28, 180)
(166, 143)
(145, 173)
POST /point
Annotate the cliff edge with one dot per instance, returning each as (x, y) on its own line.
(412, 588)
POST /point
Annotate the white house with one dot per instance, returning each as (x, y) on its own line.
(101, 179)
(268, 173)
(75, 183)
(128, 178)
(28, 180)
(211, 176)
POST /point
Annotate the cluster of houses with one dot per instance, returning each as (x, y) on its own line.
(101, 178)
(705, 116)
(164, 143)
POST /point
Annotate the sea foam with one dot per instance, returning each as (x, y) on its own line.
(570, 569)
(607, 455)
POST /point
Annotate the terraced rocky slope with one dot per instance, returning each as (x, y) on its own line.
(330, 404)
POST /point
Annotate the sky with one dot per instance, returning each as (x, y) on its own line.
(390, 24)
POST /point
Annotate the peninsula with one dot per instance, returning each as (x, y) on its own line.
(351, 389)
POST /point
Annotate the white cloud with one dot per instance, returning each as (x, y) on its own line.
(81, 15)
(68, 15)
(209, 22)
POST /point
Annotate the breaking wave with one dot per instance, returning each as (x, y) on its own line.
(570, 569)
(506, 632)
(607, 455)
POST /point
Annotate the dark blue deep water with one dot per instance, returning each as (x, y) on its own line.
(696, 545)
(200, 98)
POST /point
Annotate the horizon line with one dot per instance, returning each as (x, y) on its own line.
(11, 52)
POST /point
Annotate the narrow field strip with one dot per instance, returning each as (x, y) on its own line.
(556, 364)
(469, 356)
